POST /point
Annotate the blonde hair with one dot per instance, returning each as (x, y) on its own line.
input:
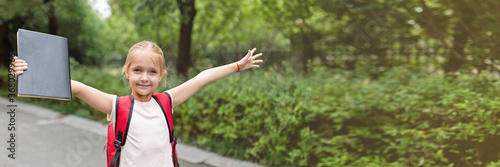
(145, 49)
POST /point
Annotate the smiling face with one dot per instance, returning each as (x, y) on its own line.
(144, 69)
(143, 76)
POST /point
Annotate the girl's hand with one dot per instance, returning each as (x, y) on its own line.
(19, 66)
(249, 60)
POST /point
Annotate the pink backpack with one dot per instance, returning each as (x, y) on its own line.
(118, 136)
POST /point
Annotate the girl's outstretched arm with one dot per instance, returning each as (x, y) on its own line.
(95, 98)
(184, 91)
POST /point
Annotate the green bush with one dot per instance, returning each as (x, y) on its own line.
(406, 117)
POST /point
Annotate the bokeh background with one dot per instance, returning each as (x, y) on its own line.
(344, 82)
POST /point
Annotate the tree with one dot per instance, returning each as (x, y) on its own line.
(467, 30)
(381, 34)
(53, 26)
(225, 29)
(85, 30)
(188, 13)
(476, 33)
(20, 14)
(74, 20)
(224, 25)
(296, 25)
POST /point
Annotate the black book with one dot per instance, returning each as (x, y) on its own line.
(48, 74)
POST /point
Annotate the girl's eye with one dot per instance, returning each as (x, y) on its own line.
(137, 70)
(154, 72)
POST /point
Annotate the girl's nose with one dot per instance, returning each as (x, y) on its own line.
(144, 77)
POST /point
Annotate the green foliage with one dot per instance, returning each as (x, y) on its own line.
(213, 28)
(374, 115)
(408, 117)
(462, 33)
(153, 20)
(342, 34)
(75, 20)
(89, 39)
(121, 35)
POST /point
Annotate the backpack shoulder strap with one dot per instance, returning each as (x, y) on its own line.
(165, 101)
(124, 109)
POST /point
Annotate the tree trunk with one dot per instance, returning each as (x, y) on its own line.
(188, 13)
(454, 63)
(8, 42)
(302, 50)
(53, 25)
(297, 52)
(308, 51)
(4, 45)
(460, 37)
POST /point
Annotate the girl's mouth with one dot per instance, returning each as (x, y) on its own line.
(141, 85)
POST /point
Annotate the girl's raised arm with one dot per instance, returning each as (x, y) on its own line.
(184, 91)
(95, 98)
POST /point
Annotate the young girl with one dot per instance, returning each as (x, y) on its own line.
(147, 143)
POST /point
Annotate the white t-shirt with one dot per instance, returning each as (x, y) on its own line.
(148, 140)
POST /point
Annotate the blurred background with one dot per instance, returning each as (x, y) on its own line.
(344, 82)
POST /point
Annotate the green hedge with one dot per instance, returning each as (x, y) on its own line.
(407, 117)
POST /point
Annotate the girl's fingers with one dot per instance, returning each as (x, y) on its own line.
(257, 56)
(248, 56)
(17, 73)
(19, 60)
(249, 60)
(20, 68)
(19, 65)
(251, 52)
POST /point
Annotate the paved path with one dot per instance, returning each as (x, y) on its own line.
(45, 138)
